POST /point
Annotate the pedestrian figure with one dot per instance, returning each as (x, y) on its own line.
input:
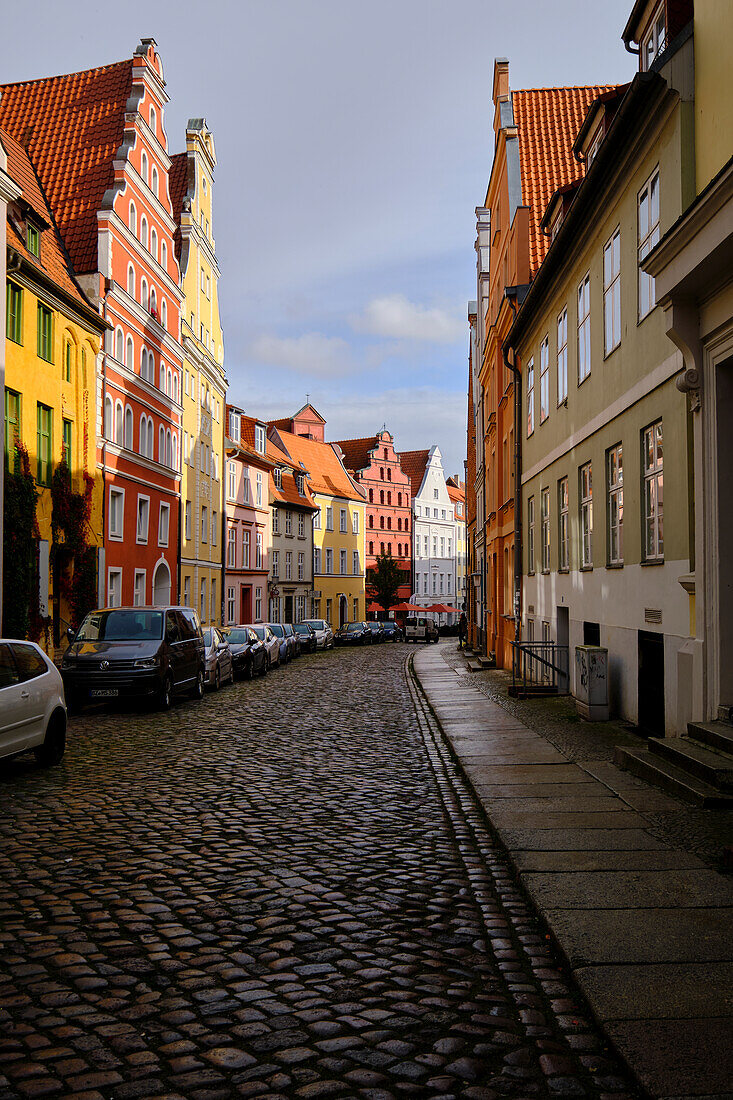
(462, 630)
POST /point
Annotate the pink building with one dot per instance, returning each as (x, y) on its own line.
(247, 522)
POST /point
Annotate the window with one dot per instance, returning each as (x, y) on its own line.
(317, 520)
(562, 523)
(163, 524)
(301, 566)
(144, 231)
(288, 523)
(164, 265)
(245, 547)
(258, 499)
(33, 240)
(545, 522)
(562, 357)
(133, 218)
(316, 560)
(213, 599)
(144, 166)
(154, 178)
(66, 442)
(187, 520)
(442, 548)
(14, 315)
(356, 563)
(342, 521)
(648, 237)
(276, 563)
(586, 516)
(138, 598)
(204, 524)
(329, 518)
(258, 604)
(329, 561)
(371, 496)
(277, 477)
(245, 484)
(530, 535)
(214, 528)
(544, 379)
(612, 293)
(276, 521)
(235, 427)
(231, 480)
(131, 281)
(231, 548)
(202, 611)
(288, 565)
(154, 239)
(259, 439)
(114, 588)
(258, 550)
(144, 295)
(342, 562)
(301, 524)
(116, 513)
(44, 444)
(12, 430)
(143, 515)
(653, 493)
(655, 39)
(584, 329)
(45, 333)
(230, 605)
(448, 577)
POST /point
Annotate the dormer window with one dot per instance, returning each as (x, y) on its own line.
(259, 439)
(301, 484)
(235, 427)
(278, 477)
(556, 223)
(33, 239)
(594, 147)
(655, 39)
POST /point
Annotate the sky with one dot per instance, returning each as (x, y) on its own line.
(354, 141)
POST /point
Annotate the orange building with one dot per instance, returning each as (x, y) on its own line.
(533, 157)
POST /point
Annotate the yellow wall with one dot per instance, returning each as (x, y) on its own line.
(713, 26)
(332, 586)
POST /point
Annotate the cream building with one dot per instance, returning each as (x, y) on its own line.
(204, 380)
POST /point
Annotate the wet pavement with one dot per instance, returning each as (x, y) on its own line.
(287, 890)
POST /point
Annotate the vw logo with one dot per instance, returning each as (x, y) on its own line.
(104, 665)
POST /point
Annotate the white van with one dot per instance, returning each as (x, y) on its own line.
(32, 706)
(420, 630)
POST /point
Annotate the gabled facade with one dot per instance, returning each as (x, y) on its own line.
(204, 378)
(105, 174)
(434, 530)
(375, 466)
(291, 554)
(457, 493)
(248, 525)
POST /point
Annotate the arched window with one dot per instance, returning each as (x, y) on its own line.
(389, 547)
(381, 522)
(381, 472)
(154, 241)
(389, 523)
(144, 293)
(371, 496)
(175, 387)
(407, 524)
(161, 378)
(151, 437)
(371, 521)
(128, 428)
(154, 180)
(163, 313)
(119, 345)
(371, 547)
(381, 548)
(144, 230)
(174, 462)
(164, 255)
(108, 418)
(152, 119)
(133, 219)
(381, 496)
(399, 524)
(399, 500)
(169, 383)
(143, 435)
(168, 448)
(131, 281)
(389, 495)
(118, 422)
(144, 166)
(153, 300)
(130, 353)
(161, 445)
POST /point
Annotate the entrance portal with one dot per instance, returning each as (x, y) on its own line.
(651, 684)
(343, 610)
(161, 585)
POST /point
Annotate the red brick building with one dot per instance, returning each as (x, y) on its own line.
(375, 465)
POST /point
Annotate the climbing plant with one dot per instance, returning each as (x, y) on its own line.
(75, 561)
(21, 613)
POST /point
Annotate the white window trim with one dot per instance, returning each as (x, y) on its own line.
(162, 510)
(138, 539)
(116, 536)
(116, 572)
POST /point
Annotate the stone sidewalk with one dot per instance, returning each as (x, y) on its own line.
(646, 927)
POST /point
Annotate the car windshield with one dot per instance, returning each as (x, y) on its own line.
(260, 632)
(121, 626)
(374, 626)
(302, 628)
(317, 624)
(277, 630)
(387, 626)
(237, 637)
(352, 628)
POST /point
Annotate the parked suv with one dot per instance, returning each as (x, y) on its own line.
(421, 629)
(144, 652)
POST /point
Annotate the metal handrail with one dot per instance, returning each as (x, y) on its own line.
(541, 665)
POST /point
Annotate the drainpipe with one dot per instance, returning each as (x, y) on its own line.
(517, 485)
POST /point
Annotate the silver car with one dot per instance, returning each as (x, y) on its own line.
(272, 644)
(323, 632)
(219, 668)
(32, 707)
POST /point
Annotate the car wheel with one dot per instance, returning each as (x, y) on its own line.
(217, 678)
(265, 666)
(54, 743)
(249, 670)
(198, 691)
(165, 698)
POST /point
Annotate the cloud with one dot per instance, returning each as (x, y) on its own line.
(313, 353)
(396, 317)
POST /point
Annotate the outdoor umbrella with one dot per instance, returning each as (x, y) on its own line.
(443, 609)
(406, 607)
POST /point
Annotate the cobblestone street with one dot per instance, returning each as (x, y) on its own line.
(284, 890)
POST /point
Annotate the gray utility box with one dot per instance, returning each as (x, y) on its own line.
(591, 682)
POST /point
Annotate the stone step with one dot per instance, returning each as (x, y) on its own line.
(473, 665)
(719, 735)
(487, 662)
(654, 769)
(708, 764)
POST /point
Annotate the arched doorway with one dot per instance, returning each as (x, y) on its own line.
(343, 610)
(161, 585)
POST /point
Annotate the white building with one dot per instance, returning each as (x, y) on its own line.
(434, 542)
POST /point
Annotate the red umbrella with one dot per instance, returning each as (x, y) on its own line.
(374, 609)
(443, 609)
(406, 607)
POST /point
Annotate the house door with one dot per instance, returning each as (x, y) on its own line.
(246, 596)
(288, 616)
(161, 585)
(563, 640)
(343, 610)
(651, 684)
(721, 561)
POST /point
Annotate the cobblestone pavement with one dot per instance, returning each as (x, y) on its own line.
(285, 890)
(705, 832)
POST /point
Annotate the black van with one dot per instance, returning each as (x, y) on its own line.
(154, 652)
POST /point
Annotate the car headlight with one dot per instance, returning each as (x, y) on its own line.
(147, 662)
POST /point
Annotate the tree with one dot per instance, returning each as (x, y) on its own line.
(384, 579)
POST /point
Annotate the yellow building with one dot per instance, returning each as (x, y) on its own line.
(338, 528)
(204, 380)
(53, 338)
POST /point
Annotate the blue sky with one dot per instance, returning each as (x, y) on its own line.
(354, 141)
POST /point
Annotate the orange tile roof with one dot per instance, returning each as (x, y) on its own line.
(72, 127)
(53, 260)
(548, 120)
(178, 185)
(456, 495)
(327, 474)
(356, 451)
(288, 494)
(413, 464)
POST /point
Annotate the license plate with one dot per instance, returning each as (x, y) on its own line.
(104, 693)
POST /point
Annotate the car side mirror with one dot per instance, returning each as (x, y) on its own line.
(70, 634)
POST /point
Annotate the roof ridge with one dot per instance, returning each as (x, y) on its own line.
(65, 76)
(564, 88)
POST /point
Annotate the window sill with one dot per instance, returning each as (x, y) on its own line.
(586, 569)
(614, 565)
(652, 561)
(582, 380)
(545, 572)
(609, 353)
(564, 569)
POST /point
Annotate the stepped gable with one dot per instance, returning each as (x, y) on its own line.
(53, 260)
(72, 127)
(322, 464)
(356, 452)
(548, 121)
(413, 464)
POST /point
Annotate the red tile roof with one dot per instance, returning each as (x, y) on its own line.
(288, 494)
(413, 464)
(178, 185)
(327, 474)
(456, 495)
(548, 120)
(72, 127)
(356, 451)
(53, 260)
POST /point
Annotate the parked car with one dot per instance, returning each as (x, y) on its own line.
(293, 639)
(32, 706)
(307, 637)
(392, 632)
(354, 634)
(324, 634)
(286, 648)
(271, 643)
(127, 652)
(377, 631)
(218, 666)
(420, 630)
(249, 655)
